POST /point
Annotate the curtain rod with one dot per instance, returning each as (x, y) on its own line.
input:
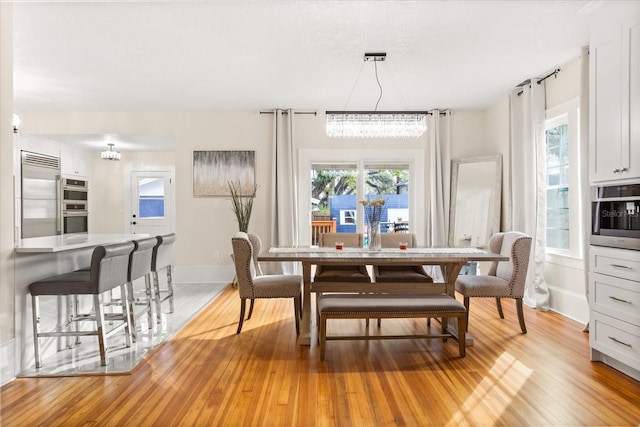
(430, 113)
(553, 73)
(295, 112)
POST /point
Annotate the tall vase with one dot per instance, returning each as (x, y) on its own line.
(374, 239)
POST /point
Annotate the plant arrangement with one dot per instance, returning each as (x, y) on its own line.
(242, 204)
(373, 213)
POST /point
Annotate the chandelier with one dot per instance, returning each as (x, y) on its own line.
(110, 154)
(375, 124)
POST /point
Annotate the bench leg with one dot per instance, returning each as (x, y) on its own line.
(462, 334)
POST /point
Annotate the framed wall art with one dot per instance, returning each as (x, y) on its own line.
(212, 171)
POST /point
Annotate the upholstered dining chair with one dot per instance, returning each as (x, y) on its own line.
(251, 286)
(399, 273)
(505, 279)
(341, 273)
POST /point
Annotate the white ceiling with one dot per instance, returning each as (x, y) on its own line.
(307, 55)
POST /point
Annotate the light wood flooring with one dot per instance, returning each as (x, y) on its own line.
(207, 375)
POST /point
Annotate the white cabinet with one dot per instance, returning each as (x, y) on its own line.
(74, 163)
(614, 300)
(614, 101)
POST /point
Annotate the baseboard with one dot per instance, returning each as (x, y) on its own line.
(203, 274)
(569, 304)
(7, 361)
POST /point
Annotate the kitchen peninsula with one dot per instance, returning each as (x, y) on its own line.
(40, 257)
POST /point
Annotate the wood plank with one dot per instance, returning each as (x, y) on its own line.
(208, 375)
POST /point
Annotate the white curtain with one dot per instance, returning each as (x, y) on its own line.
(528, 189)
(284, 184)
(584, 162)
(439, 179)
(437, 215)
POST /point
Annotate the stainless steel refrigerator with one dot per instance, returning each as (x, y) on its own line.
(41, 204)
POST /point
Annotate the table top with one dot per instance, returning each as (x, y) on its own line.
(365, 256)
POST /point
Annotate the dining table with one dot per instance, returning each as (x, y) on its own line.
(449, 260)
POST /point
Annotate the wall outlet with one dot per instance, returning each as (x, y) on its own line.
(216, 254)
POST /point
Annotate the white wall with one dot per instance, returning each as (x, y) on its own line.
(7, 326)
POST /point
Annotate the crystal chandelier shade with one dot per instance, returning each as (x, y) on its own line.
(110, 154)
(373, 124)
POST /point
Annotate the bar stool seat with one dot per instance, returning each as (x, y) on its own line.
(109, 269)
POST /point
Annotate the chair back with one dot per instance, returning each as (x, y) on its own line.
(243, 261)
(163, 252)
(392, 240)
(517, 246)
(349, 240)
(141, 257)
(256, 244)
(110, 266)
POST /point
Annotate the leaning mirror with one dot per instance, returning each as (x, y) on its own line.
(476, 185)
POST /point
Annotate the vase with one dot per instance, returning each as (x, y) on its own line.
(373, 239)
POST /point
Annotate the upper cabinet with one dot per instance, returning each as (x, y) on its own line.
(75, 163)
(615, 105)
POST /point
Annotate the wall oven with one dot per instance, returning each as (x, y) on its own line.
(615, 216)
(75, 213)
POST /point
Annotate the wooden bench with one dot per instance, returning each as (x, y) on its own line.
(395, 306)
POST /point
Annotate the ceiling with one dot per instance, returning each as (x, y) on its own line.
(308, 55)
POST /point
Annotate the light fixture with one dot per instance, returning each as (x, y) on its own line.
(376, 124)
(16, 123)
(110, 154)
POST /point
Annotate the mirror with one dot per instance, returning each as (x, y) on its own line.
(476, 185)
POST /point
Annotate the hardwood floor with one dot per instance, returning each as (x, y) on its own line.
(208, 375)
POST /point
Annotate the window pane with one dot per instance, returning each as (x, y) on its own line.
(151, 198)
(333, 198)
(392, 183)
(557, 161)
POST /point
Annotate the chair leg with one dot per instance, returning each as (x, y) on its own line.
(466, 305)
(296, 310)
(499, 305)
(100, 328)
(127, 315)
(170, 287)
(521, 315)
(242, 308)
(147, 290)
(36, 329)
(251, 308)
(132, 316)
(462, 335)
(323, 336)
(156, 290)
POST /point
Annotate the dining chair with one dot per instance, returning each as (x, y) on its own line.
(505, 279)
(341, 273)
(252, 286)
(109, 269)
(400, 273)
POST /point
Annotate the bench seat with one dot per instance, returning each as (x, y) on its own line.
(364, 306)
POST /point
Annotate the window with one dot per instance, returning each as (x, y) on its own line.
(151, 197)
(562, 180)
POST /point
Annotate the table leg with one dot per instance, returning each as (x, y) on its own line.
(305, 325)
(450, 273)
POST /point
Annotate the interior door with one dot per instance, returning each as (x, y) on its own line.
(152, 207)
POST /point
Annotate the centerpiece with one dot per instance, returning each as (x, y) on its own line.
(373, 213)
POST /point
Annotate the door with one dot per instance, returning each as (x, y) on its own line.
(152, 206)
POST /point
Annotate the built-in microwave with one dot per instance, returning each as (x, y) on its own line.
(615, 216)
(74, 190)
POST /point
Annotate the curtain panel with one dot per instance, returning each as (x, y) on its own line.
(528, 183)
(284, 185)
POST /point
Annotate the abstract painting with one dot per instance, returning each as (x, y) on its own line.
(212, 171)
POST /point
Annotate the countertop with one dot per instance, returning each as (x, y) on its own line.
(50, 244)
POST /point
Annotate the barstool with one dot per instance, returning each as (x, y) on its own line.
(140, 266)
(109, 269)
(163, 257)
